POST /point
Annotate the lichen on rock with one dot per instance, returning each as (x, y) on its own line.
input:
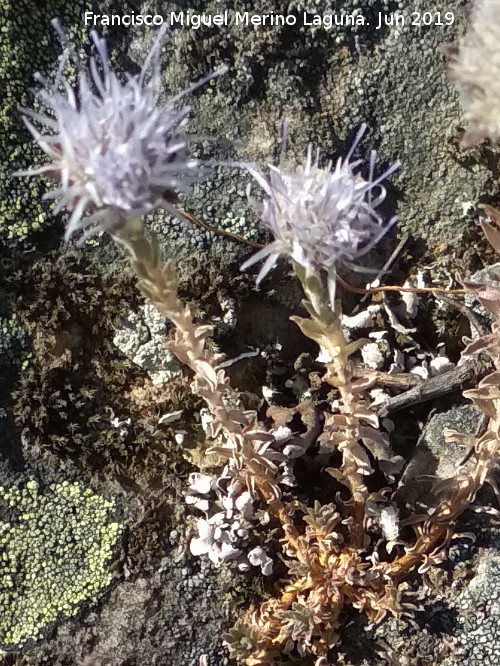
(56, 544)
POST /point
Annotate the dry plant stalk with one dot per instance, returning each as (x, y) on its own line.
(327, 564)
(244, 441)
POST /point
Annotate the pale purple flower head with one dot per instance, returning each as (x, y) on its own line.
(321, 217)
(117, 152)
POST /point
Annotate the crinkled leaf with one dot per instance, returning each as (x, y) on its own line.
(261, 436)
(491, 232)
(337, 421)
(367, 415)
(205, 370)
(376, 443)
(338, 476)
(479, 345)
(486, 406)
(493, 379)
(487, 295)
(391, 467)
(261, 465)
(330, 441)
(361, 457)
(237, 416)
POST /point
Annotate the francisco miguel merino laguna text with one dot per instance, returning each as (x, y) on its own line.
(195, 21)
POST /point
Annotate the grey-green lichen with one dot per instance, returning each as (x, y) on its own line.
(13, 342)
(141, 337)
(55, 547)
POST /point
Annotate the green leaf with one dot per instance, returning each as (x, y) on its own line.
(311, 328)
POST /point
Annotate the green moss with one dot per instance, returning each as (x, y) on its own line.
(76, 384)
(55, 548)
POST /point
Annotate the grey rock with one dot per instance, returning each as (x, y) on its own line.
(142, 339)
(435, 459)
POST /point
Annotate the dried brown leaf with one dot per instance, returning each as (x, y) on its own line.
(492, 233)
(366, 415)
(487, 295)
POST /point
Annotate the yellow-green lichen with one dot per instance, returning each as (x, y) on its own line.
(55, 548)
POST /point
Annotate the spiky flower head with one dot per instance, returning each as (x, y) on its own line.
(321, 217)
(117, 152)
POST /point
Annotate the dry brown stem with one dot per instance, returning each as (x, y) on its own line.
(239, 437)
